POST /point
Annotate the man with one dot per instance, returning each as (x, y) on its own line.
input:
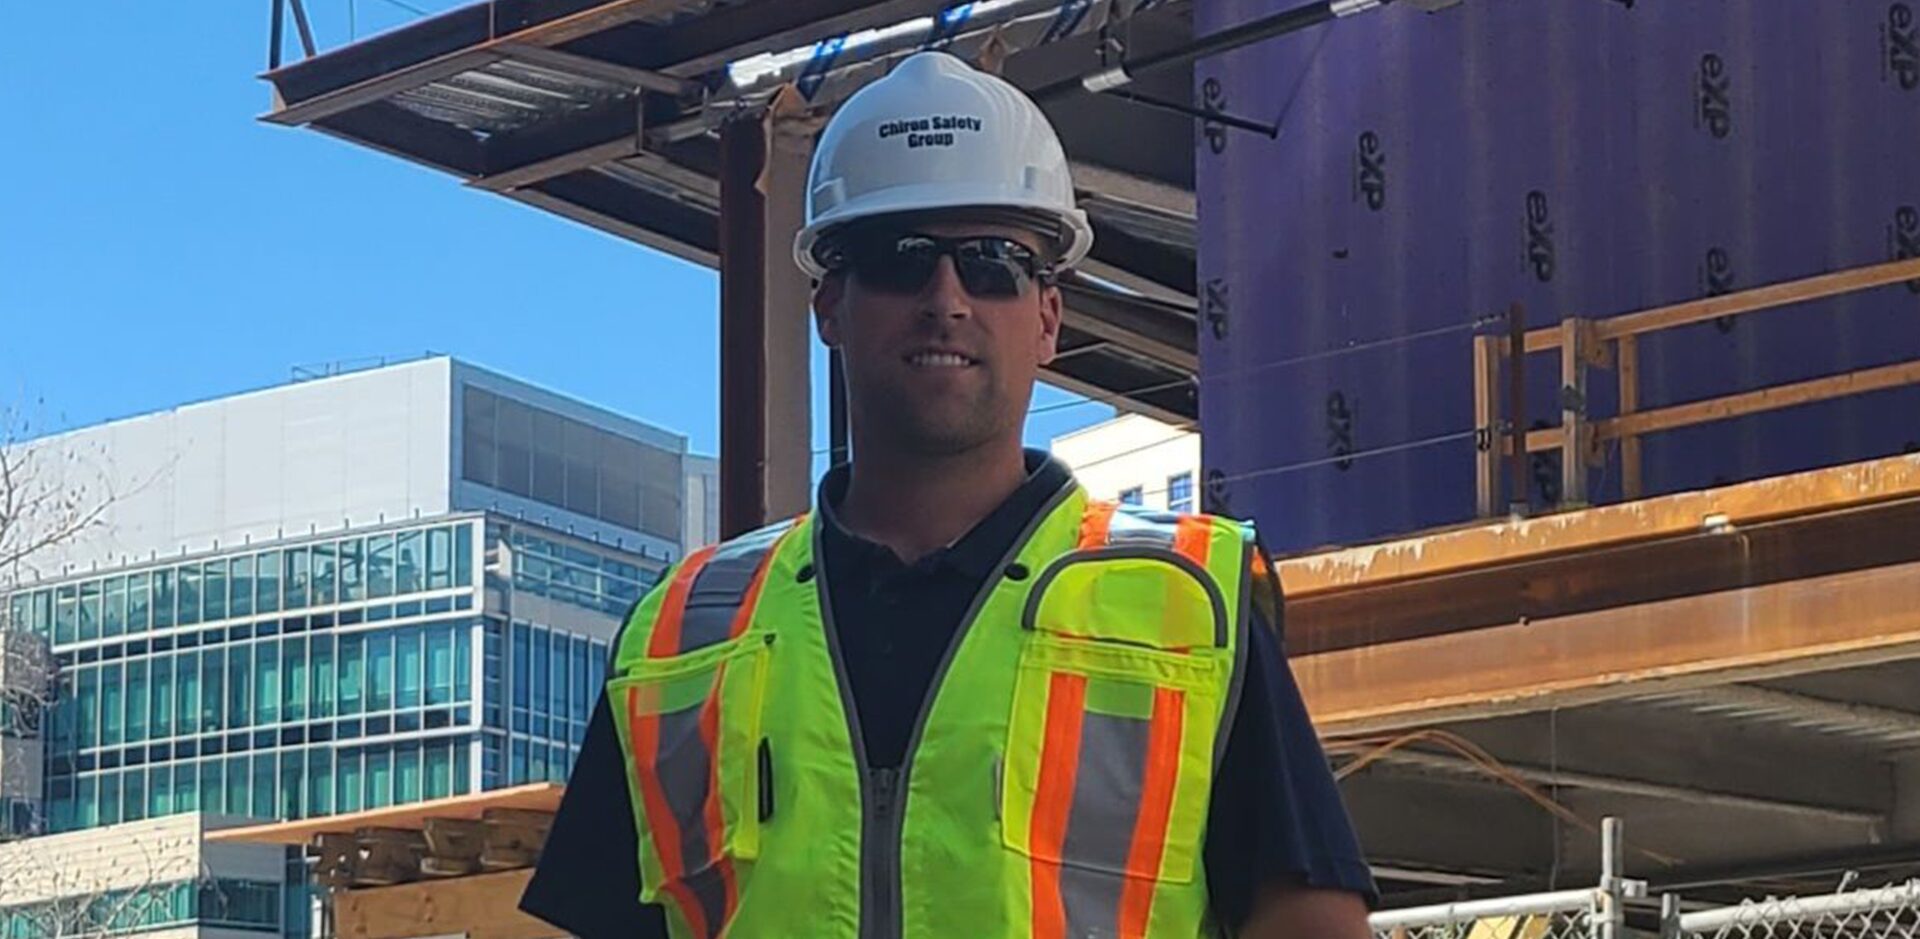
(959, 698)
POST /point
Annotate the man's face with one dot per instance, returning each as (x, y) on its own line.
(939, 371)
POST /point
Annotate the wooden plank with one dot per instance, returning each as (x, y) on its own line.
(1486, 419)
(540, 797)
(1628, 376)
(1485, 545)
(1777, 629)
(1761, 400)
(1576, 335)
(483, 906)
(1745, 301)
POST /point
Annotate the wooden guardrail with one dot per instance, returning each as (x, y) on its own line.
(1612, 344)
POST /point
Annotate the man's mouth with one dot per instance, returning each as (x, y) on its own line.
(933, 359)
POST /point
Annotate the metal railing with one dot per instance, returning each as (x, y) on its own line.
(1589, 913)
(1585, 344)
(1882, 913)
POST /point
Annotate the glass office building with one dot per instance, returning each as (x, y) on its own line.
(276, 673)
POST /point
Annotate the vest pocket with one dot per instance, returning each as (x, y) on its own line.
(1109, 762)
(689, 726)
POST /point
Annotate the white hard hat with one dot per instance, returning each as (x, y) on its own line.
(933, 135)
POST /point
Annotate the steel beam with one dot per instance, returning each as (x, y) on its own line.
(1756, 705)
(765, 454)
(1615, 785)
(1793, 627)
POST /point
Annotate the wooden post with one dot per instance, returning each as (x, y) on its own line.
(1520, 500)
(1575, 434)
(1628, 355)
(1489, 443)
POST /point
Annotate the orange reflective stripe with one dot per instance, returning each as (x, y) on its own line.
(1193, 538)
(665, 640)
(744, 613)
(1096, 523)
(715, 823)
(1053, 800)
(665, 833)
(1156, 806)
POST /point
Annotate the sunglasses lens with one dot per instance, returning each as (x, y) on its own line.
(989, 267)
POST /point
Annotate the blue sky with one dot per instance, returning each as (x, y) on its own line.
(158, 244)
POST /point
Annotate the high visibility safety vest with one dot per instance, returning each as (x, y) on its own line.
(1058, 777)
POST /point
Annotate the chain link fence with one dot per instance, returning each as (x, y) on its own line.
(1591, 913)
(1599, 912)
(1882, 913)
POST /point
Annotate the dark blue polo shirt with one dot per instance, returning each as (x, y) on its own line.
(1276, 813)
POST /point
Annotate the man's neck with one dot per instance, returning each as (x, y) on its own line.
(915, 505)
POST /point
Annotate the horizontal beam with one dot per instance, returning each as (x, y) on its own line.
(1751, 704)
(1792, 627)
(561, 60)
(1757, 401)
(1508, 542)
(1166, 198)
(551, 33)
(1736, 304)
(1615, 785)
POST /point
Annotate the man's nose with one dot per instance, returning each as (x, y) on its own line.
(944, 295)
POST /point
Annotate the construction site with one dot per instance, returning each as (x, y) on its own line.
(1567, 353)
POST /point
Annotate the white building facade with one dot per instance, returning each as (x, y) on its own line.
(1137, 460)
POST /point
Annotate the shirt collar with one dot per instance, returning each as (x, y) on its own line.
(979, 550)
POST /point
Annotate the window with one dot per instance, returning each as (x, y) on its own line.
(439, 558)
(266, 584)
(1130, 496)
(293, 671)
(160, 792)
(163, 599)
(557, 688)
(138, 606)
(319, 781)
(352, 673)
(406, 773)
(410, 562)
(379, 672)
(160, 705)
(521, 661)
(186, 698)
(263, 781)
(1180, 492)
(440, 664)
(409, 664)
(266, 683)
(89, 610)
(88, 693)
(324, 683)
(112, 707)
(186, 787)
(213, 667)
(462, 662)
(213, 591)
(347, 784)
(379, 778)
(239, 706)
(109, 798)
(462, 768)
(439, 769)
(240, 572)
(380, 566)
(293, 773)
(66, 614)
(542, 674)
(136, 700)
(135, 785)
(294, 579)
(189, 578)
(351, 586)
(463, 556)
(116, 606)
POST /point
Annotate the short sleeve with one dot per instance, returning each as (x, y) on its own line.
(1277, 813)
(588, 881)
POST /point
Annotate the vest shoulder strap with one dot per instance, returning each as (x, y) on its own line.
(709, 597)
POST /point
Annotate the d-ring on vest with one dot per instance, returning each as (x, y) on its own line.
(1058, 778)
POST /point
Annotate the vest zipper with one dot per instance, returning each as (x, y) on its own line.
(884, 785)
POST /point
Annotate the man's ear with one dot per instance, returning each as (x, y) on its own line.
(1050, 307)
(827, 294)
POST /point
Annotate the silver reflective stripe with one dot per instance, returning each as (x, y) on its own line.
(1107, 789)
(1106, 79)
(721, 586)
(1140, 528)
(709, 888)
(1350, 7)
(684, 767)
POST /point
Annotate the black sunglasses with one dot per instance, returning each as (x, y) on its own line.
(990, 266)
